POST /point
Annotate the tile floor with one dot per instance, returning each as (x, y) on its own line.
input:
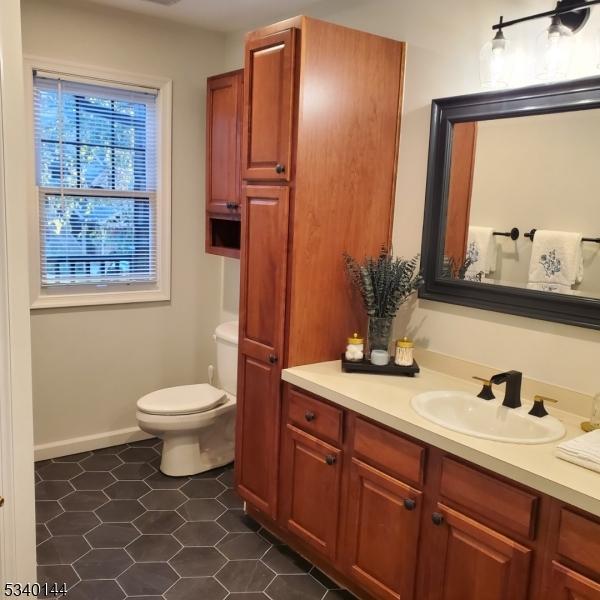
(111, 526)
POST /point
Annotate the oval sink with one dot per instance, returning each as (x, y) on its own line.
(466, 413)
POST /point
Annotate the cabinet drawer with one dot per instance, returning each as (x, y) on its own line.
(579, 540)
(316, 417)
(388, 451)
(509, 507)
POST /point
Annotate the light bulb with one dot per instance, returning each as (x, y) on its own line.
(495, 62)
(554, 50)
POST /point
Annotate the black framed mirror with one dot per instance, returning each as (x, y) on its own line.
(512, 212)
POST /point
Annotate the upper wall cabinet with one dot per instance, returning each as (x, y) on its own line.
(223, 163)
(269, 89)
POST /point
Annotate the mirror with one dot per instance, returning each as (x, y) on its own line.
(512, 218)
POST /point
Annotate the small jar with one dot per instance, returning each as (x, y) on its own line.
(355, 350)
(404, 352)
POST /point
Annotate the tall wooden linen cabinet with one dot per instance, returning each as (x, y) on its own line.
(320, 134)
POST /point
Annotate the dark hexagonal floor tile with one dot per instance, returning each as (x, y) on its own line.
(245, 576)
(295, 587)
(339, 595)
(203, 488)
(206, 588)
(127, 490)
(237, 521)
(230, 499)
(106, 589)
(324, 580)
(61, 550)
(46, 510)
(101, 462)
(238, 546)
(197, 562)
(202, 533)
(149, 443)
(160, 481)
(163, 499)
(284, 561)
(148, 579)
(59, 471)
(272, 539)
(73, 523)
(84, 500)
(57, 574)
(133, 471)
(213, 473)
(103, 563)
(228, 478)
(112, 535)
(73, 457)
(52, 490)
(112, 449)
(158, 521)
(36, 477)
(201, 509)
(92, 481)
(153, 548)
(120, 511)
(138, 455)
(248, 596)
(41, 533)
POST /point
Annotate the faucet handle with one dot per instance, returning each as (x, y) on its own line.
(538, 409)
(486, 392)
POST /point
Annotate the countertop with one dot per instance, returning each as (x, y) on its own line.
(386, 399)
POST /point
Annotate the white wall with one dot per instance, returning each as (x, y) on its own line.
(539, 172)
(90, 365)
(444, 40)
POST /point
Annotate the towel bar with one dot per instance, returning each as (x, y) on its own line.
(513, 234)
(531, 235)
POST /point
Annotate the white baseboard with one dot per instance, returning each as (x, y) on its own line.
(89, 442)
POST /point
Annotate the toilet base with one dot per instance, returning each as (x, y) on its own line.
(182, 455)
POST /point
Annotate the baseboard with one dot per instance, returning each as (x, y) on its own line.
(89, 442)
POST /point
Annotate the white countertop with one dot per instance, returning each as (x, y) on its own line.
(386, 399)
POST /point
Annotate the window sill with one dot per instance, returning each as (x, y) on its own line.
(98, 298)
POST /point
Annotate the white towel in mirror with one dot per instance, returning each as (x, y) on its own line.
(556, 263)
(583, 450)
(481, 251)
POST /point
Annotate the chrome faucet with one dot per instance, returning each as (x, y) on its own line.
(512, 394)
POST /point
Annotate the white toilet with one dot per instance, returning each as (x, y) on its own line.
(196, 422)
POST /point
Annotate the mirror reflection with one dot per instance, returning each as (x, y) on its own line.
(524, 203)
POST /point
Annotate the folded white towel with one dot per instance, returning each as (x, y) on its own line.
(556, 263)
(481, 251)
(583, 450)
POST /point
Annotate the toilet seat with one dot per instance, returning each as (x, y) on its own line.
(182, 400)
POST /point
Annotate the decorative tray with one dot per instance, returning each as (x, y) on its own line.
(364, 366)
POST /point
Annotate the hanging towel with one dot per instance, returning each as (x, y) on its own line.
(481, 251)
(556, 263)
(583, 450)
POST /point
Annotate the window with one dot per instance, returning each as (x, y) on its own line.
(100, 212)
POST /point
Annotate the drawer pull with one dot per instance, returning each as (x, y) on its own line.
(330, 459)
(272, 358)
(279, 169)
(437, 518)
(309, 415)
(409, 504)
(232, 205)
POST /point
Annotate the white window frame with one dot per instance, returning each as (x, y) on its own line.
(89, 295)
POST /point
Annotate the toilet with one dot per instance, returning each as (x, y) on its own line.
(196, 422)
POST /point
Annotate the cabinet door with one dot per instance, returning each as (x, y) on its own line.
(262, 316)
(474, 562)
(569, 585)
(268, 106)
(382, 533)
(311, 472)
(223, 143)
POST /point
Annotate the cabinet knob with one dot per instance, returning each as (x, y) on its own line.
(272, 358)
(437, 518)
(309, 415)
(279, 169)
(232, 205)
(330, 459)
(409, 504)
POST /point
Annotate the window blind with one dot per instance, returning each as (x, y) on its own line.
(96, 163)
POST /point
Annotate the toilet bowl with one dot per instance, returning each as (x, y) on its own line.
(196, 422)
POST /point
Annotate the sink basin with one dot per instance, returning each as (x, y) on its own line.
(466, 413)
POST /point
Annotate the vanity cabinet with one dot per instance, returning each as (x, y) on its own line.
(224, 97)
(570, 585)
(301, 123)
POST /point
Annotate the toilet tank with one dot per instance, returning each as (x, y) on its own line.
(226, 336)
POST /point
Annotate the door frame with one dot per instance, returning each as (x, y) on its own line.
(17, 517)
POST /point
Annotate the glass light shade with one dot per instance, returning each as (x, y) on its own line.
(598, 49)
(495, 63)
(554, 49)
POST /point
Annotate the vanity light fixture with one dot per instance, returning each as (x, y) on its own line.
(554, 45)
